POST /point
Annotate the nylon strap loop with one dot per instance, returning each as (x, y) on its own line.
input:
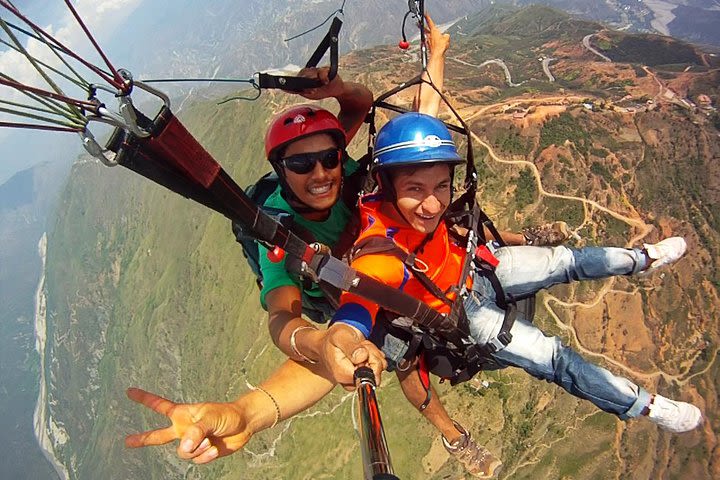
(297, 84)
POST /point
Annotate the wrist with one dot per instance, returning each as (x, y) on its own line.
(353, 330)
(354, 93)
(256, 411)
(303, 343)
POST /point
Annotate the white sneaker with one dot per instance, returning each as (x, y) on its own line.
(665, 252)
(676, 417)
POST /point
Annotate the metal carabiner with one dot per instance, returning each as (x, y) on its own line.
(94, 148)
(127, 109)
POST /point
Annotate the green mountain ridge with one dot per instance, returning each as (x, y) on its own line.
(148, 289)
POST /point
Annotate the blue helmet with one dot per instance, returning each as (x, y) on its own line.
(411, 139)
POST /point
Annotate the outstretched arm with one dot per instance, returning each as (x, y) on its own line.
(426, 98)
(354, 99)
(208, 430)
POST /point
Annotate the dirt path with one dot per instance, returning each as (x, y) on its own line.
(586, 43)
(496, 61)
(643, 230)
(546, 68)
(545, 101)
(659, 83)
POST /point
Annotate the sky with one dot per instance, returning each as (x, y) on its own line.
(20, 149)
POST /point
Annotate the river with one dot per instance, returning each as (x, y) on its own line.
(42, 420)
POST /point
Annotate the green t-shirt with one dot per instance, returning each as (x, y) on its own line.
(326, 232)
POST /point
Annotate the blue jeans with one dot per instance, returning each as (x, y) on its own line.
(525, 270)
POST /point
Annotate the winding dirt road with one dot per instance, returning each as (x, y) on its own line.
(643, 230)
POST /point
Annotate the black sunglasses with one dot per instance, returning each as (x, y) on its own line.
(303, 163)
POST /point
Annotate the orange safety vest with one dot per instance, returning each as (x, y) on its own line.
(442, 257)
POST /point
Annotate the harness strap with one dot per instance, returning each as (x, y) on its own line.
(131, 155)
(354, 183)
(377, 244)
(504, 337)
(296, 84)
(424, 375)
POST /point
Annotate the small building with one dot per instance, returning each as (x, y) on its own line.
(704, 101)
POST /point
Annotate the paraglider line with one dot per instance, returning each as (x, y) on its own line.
(122, 85)
(32, 126)
(49, 38)
(339, 10)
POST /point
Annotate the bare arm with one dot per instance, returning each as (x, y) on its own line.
(284, 305)
(510, 238)
(427, 99)
(339, 349)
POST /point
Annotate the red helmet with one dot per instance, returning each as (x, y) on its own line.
(298, 122)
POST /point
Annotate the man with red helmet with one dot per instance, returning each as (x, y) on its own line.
(305, 145)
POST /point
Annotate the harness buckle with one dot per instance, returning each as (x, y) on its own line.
(498, 343)
(483, 254)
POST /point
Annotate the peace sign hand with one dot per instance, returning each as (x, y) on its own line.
(206, 430)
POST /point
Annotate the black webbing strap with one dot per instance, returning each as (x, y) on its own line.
(354, 183)
(380, 100)
(504, 337)
(132, 153)
(296, 84)
(384, 245)
(337, 273)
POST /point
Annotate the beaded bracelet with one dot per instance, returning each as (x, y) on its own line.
(277, 407)
(293, 345)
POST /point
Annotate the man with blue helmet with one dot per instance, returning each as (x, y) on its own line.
(413, 161)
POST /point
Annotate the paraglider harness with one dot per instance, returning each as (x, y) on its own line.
(465, 220)
(454, 357)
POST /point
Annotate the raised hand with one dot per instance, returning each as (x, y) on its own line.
(438, 42)
(330, 87)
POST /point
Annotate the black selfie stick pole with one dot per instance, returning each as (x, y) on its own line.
(375, 454)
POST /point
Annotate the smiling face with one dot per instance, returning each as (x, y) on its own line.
(422, 195)
(320, 188)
